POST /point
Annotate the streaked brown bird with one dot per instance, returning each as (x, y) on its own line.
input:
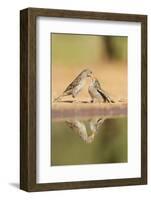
(96, 123)
(97, 93)
(76, 85)
(79, 127)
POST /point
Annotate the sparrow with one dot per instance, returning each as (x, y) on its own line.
(96, 92)
(76, 85)
(96, 123)
(79, 127)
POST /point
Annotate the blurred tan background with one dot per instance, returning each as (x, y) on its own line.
(106, 56)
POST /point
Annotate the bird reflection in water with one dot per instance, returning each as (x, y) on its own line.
(79, 128)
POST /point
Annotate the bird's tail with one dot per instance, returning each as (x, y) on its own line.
(58, 98)
(105, 96)
(111, 101)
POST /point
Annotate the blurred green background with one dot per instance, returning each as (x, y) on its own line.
(74, 49)
(109, 145)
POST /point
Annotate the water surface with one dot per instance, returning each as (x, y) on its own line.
(97, 140)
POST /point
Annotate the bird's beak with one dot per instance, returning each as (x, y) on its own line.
(91, 76)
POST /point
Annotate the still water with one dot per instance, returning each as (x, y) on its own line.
(91, 141)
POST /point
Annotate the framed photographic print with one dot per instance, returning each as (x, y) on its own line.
(83, 99)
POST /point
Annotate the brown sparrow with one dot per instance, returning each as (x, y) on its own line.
(96, 92)
(76, 85)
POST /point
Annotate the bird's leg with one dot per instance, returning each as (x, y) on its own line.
(75, 100)
(92, 101)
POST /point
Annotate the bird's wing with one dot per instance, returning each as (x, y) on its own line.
(95, 124)
(72, 124)
(100, 122)
(73, 84)
(105, 95)
(97, 84)
(78, 127)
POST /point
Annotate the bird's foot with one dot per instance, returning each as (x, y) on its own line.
(92, 101)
